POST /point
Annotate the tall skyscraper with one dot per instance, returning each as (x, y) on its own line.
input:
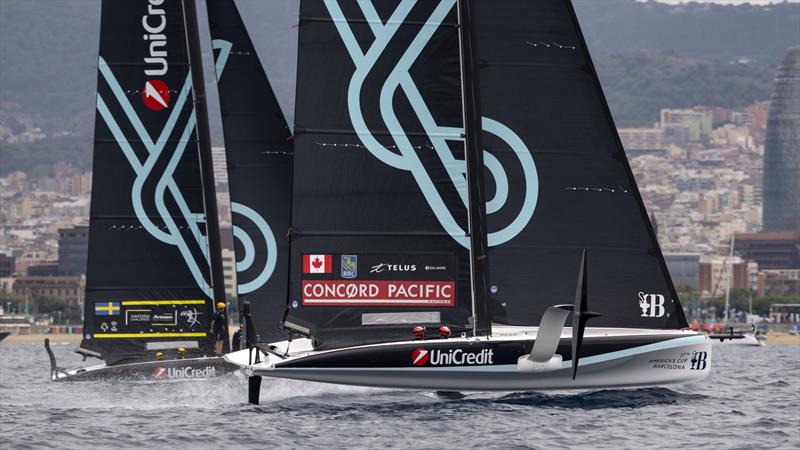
(782, 149)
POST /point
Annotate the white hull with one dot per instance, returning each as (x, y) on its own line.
(664, 362)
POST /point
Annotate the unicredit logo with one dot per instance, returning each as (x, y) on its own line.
(420, 357)
(156, 95)
(161, 373)
(452, 357)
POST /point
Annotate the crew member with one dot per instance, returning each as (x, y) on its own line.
(218, 328)
(236, 344)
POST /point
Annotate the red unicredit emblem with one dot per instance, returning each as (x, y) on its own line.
(420, 357)
(445, 332)
(156, 95)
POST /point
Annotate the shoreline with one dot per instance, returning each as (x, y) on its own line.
(776, 338)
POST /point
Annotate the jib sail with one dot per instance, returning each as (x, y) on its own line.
(148, 276)
(258, 147)
(557, 178)
(379, 215)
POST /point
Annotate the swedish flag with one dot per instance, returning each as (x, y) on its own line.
(106, 308)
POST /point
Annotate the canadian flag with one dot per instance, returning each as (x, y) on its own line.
(317, 264)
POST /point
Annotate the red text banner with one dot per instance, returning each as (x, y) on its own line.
(378, 293)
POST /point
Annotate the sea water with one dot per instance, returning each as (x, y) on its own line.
(750, 400)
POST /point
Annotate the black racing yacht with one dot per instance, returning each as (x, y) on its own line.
(463, 214)
(154, 266)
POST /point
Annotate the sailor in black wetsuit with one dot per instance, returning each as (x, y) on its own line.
(218, 328)
(236, 343)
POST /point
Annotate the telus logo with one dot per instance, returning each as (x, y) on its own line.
(452, 357)
(155, 93)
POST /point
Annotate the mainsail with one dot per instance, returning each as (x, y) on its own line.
(148, 276)
(258, 148)
(379, 214)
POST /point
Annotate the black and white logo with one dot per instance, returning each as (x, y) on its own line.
(652, 305)
(192, 316)
(699, 361)
(386, 267)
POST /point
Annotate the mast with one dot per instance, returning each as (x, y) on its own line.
(204, 145)
(729, 265)
(476, 200)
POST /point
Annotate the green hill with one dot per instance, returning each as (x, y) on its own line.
(638, 83)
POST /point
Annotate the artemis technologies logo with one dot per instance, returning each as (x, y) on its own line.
(652, 305)
(155, 93)
(452, 357)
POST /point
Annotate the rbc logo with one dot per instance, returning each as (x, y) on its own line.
(652, 305)
(699, 360)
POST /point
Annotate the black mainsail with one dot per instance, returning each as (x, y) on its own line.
(149, 280)
(558, 178)
(379, 214)
(259, 150)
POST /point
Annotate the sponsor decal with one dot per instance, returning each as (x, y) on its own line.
(165, 319)
(652, 305)
(452, 357)
(106, 308)
(154, 23)
(349, 266)
(378, 293)
(678, 363)
(182, 373)
(420, 357)
(699, 361)
(155, 93)
(104, 326)
(137, 316)
(386, 267)
(192, 316)
(435, 268)
(317, 264)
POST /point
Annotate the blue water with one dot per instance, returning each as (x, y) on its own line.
(751, 400)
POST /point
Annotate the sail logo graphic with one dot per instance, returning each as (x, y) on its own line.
(652, 305)
(180, 228)
(420, 357)
(156, 95)
(699, 361)
(248, 277)
(452, 357)
(407, 159)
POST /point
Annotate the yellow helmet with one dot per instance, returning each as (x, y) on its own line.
(159, 355)
(181, 350)
(220, 305)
